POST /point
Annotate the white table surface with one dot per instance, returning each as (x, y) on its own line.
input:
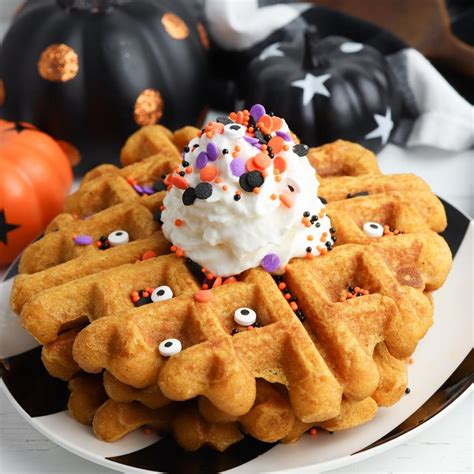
(444, 447)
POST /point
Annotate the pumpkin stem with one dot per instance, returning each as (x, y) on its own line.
(92, 6)
(311, 38)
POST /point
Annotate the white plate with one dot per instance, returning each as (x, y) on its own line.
(438, 360)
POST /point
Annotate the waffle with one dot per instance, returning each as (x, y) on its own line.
(112, 420)
(276, 381)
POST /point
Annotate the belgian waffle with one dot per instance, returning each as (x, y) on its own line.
(304, 345)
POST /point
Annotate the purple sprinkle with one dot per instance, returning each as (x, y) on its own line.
(257, 111)
(284, 135)
(257, 145)
(148, 190)
(138, 188)
(251, 140)
(212, 151)
(201, 160)
(83, 239)
(237, 166)
(271, 262)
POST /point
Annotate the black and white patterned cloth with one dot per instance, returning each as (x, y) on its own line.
(432, 112)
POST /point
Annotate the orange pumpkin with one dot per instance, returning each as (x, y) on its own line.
(35, 176)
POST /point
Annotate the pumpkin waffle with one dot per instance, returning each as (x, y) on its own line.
(299, 356)
(112, 420)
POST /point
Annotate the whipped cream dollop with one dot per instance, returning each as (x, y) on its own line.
(245, 195)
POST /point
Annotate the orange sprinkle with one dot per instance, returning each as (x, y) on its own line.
(235, 154)
(282, 285)
(204, 270)
(237, 148)
(135, 298)
(256, 190)
(149, 254)
(264, 173)
(277, 179)
(208, 173)
(179, 253)
(310, 237)
(287, 200)
(277, 144)
(209, 134)
(265, 121)
(178, 222)
(286, 147)
(146, 294)
(262, 161)
(203, 296)
(313, 432)
(250, 165)
(237, 191)
(309, 256)
(294, 306)
(273, 197)
(210, 276)
(179, 181)
(173, 248)
(229, 280)
(218, 180)
(162, 208)
(205, 286)
(250, 130)
(98, 244)
(264, 147)
(188, 169)
(217, 282)
(232, 115)
(225, 187)
(280, 164)
(287, 296)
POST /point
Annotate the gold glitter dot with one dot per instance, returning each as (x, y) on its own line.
(58, 63)
(203, 37)
(2, 92)
(175, 26)
(148, 107)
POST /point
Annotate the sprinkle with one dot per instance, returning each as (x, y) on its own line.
(237, 197)
(149, 254)
(276, 143)
(225, 187)
(271, 262)
(203, 190)
(83, 239)
(279, 163)
(147, 189)
(310, 237)
(293, 306)
(301, 149)
(313, 432)
(361, 193)
(261, 161)
(188, 169)
(256, 111)
(203, 296)
(178, 222)
(407, 390)
(208, 173)
(217, 282)
(218, 180)
(189, 196)
(229, 280)
(179, 253)
(284, 135)
(251, 140)
(179, 182)
(138, 188)
(173, 248)
(201, 160)
(273, 197)
(256, 190)
(253, 179)
(212, 151)
(237, 167)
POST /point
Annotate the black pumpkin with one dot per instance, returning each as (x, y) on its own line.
(326, 89)
(92, 71)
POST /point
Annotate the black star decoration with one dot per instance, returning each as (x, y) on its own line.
(5, 227)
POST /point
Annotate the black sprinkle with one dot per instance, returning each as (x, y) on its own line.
(251, 180)
(334, 238)
(309, 249)
(293, 299)
(186, 149)
(260, 136)
(318, 224)
(271, 114)
(252, 122)
(185, 163)
(189, 196)
(256, 325)
(142, 302)
(157, 217)
(237, 197)
(234, 331)
(301, 149)
(159, 186)
(362, 193)
(329, 245)
(324, 201)
(163, 176)
(278, 278)
(224, 120)
(351, 289)
(182, 173)
(332, 230)
(360, 294)
(407, 390)
(203, 190)
(225, 151)
(306, 214)
(314, 219)
(286, 291)
(269, 149)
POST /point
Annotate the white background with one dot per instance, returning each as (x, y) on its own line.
(445, 447)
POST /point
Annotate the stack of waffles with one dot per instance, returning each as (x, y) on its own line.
(332, 337)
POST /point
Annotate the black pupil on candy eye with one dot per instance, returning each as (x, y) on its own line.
(160, 293)
(374, 226)
(245, 312)
(168, 344)
(235, 127)
(292, 189)
(118, 234)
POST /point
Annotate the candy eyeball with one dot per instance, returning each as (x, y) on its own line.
(234, 130)
(118, 237)
(161, 293)
(170, 347)
(245, 316)
(373, 229)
